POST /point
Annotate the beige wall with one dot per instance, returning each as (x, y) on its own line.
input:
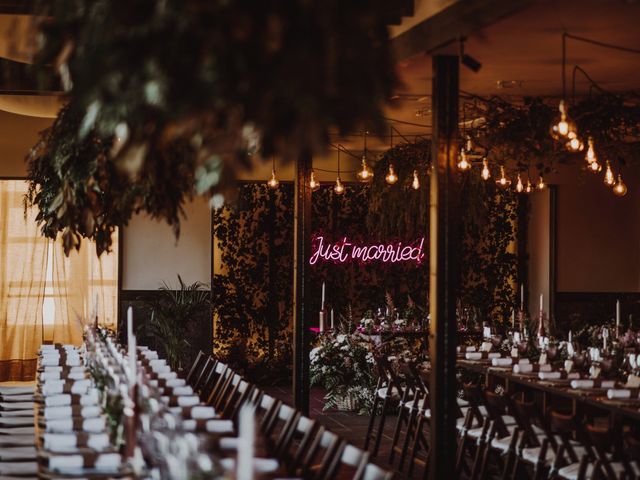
(538, 244)
(18, 134)
(152, 255)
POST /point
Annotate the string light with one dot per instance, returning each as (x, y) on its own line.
(574, 144)
(594, 167)
(416, 182)
(519, 185)
(463, 164)
(620, 189)
(529, 187)
(541, 185)
(503, 181)
(273, 181)
(365, 174)
(313, 183)
(338, 188)
(391, 177)
(564, 127)
(609, 179)
(590, 157)
(486, 173)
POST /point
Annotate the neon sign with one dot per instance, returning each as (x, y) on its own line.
(345, 251)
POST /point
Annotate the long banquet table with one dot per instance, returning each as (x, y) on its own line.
(549, 389)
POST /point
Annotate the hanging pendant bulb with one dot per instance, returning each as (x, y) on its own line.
(391, 177)
(609, 179)
(416, 181)
(529, 187)
(574, 144)
(365, 174)
(519, 185)
(541, 185)
(594, 167)
(468, 145)
(313, 183)
(563, 127)
(338, 188)
(273, 181)
(486, 173)
(503, 181)
(620, 189)
(590, 157)
(463, 163)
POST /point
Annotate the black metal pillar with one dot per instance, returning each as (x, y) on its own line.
(444, 237)
(301, 313)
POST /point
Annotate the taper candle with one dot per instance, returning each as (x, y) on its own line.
(322, 296)
(129, 322)
(541, 302)
(617, 318)
(246, 439)
(522, 296)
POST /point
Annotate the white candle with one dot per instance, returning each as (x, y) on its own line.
(332, 325)
(246, 435)
(513, 319)
(522, 296)
(541, 302)
(605, 335)
(322, 295)
(570, 337)
(129, 322)
(132, 358)
(617, 318)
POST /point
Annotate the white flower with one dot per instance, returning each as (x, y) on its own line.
(341, 338)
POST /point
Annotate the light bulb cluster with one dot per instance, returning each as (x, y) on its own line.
(365, 174)
(273, 181)
(391, 177)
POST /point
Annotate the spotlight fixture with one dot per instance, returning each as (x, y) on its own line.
(468, 61)
(365, 174)
(503, 181)
(416, 182)
(620, 189)
(609, 179)
(486, 173)
(313, 183)
(391, 177)
(273, 181)
(463, 163)
(519, 185)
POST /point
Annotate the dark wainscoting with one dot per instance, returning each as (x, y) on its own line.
(142, 302)
(575, 309)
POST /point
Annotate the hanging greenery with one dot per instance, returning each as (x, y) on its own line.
(144, 75)
(80, 192)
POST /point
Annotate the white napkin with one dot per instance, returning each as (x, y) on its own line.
(72, 361)
(260, 465)
(229, 443)
(9, 391)
(150, 355)
(633, 381)
(55, 387)
(201, 411)
(528, 368)
(577, 384)
(167, 375)
(90, 398)
(219, 426)
(618, 393)
(486, 346)
(68, 442)
(501, 362)
(182, 391)
(51, 413)
(57, 375)
(158, 362)
(188, 401)
(473, 355)
(65, 425)
(175, 382)
(161, 369)
(6, 406)
(556, 375)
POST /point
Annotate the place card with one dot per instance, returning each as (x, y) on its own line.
(633, 381)
(543, 358)
(568, 365)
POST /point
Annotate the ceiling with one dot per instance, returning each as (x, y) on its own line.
(524, 50)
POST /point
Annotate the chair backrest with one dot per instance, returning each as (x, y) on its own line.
(497, 406)
(527, 416)
(196, 367)
(563, 427)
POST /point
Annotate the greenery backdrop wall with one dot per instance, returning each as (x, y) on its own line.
(252, 290)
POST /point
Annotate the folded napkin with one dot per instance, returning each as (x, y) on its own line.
(622, 393)
(182, 401)
(51, 413)
(57, 375)
(179, 391)
(8, 406)
(69, 442)
(17, 398)
(229, 443)
(158, 362)
(158, 369)
(57, 347)
(558, 375)
(219, 426)
(19, 469)
(150, 354)
(72, 463)
(56, 387)
(17, 413)
(10, 391)
(198, 412)
(530, 368)
(51, 360)
(260, 465)
(13, 454)
(66, 425)
(507, 362)
(481, 355)
(90, 398)
(7, 422)
(587, 383)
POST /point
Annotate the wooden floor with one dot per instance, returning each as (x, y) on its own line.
(349, 426)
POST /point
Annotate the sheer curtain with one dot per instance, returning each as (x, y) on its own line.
(81, 284)
(23, 257)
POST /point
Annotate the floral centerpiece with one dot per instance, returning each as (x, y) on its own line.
(343, 363)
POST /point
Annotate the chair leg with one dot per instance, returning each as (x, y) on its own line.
(407, 437)
(487, 451)
(417, 439)
(510, 455)
(477, 460)
(372, 417)
(383, 418)
(398, 428)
